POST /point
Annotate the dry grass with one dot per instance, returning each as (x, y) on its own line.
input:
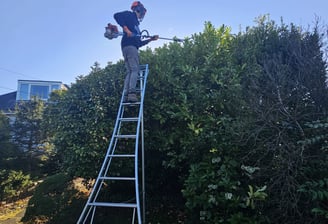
(13, 212)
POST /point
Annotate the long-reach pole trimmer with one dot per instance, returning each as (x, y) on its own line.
(111, 32)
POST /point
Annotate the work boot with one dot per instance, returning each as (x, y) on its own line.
(132, 98)
(125, 98)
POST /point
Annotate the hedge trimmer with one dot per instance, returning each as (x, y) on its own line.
(112, 32)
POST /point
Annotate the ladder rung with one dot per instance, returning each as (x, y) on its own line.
(122, 155)
(117, 178)
(131, 104)
(122, 205)
(125, 136)
(129, 119)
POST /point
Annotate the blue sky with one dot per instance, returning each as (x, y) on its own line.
(58, 40)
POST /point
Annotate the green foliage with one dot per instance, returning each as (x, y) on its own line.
(257, 195)
(252, 98)
(27, 126)
(29, 135)
(191, 94)
(282, 71)
(318, 193)
(186, 89)
(13, 183)
(81, 119)
(4, 128)
(7, 148)
(13, 180)
(55, 200)
(216, 193)
(315, 184)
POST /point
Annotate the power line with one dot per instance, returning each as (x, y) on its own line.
(2, 87)
(18, 73)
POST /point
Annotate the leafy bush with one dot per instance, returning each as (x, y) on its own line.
(215, 192)
(314, 188)
(248, 96)
(318, 192)
(13, 183)
(55, 200)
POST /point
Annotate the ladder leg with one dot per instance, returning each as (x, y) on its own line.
(133, 216)
(105, 179)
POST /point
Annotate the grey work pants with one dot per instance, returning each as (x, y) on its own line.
(131, 59)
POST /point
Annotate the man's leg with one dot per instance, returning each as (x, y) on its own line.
(131, 57)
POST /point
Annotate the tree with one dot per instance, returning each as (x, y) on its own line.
(191, 101)
(81, 119)
(27, 132)
(13, 184)
(229, 121)
(8, 151)
(12, 180)
(4, 128)
(4, 135)
(284, 85)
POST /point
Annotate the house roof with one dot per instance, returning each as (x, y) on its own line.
(42, 81)
(8, 101)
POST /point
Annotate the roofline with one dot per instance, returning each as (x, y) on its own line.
(29, 80)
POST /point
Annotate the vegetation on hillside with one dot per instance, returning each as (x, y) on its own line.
(236, 128)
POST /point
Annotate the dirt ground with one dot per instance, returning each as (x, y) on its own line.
(14, 220)
(14, 212)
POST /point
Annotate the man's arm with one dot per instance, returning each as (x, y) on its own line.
(127, 31)
(121, 19)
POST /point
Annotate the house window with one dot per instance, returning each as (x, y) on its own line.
(55, 87)
(24, 92)
(27, 89)
(41, 92)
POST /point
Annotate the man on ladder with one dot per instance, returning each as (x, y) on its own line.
(130, 43)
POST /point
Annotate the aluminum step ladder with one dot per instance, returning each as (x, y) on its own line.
(118, 186)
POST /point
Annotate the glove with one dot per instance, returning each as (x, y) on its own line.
(128, 32)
